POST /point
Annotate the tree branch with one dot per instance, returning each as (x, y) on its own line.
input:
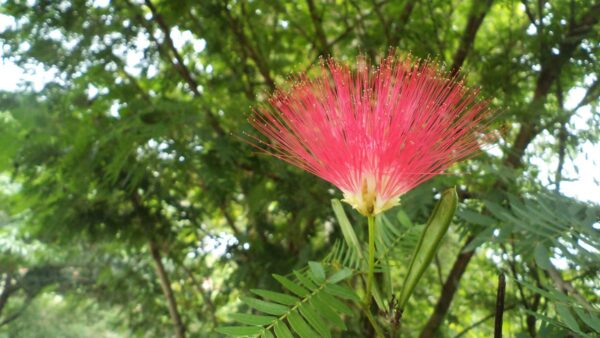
(478, 11)
(7, 290)
(482, 320)
(205, 295)
(438, 266)
(17, 313)
(513, 269)
(350, 27)
(167, 290)
(499, 306)
(448, 291)
(253, 53)
(436, 28)
(562, 139)
(407, 10)
(549, 73)
(535, 303)
(179, 66)
(529, 13)
(591, 95)
(317, 21)
(384, 24)
(230, 221)
(592, 272)
(567, 288)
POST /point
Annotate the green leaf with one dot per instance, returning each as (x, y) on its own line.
(347, 230)
(434, 231)
(341, 291)
(567, 317)
(266, 334)
(547, 319)
(266, 307)
(300, 326)
(282, 331)
(404, 219)
(387, 287)
(305, 280)
(554, 295)
(240, 331)
(474, 217)
(324, 309)
(542, 257)
(498, 211)
(315, 320)
(293, 287)
(589, 318)
(335, 303)
(249, 319)
(340, 275)
(378, 297)
(278, 297)
(317, 271)
(483, 237)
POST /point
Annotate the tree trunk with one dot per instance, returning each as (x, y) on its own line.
(6, 291)
(448, 291)
(165, 284)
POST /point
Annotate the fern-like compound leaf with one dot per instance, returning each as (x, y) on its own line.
(318, 301)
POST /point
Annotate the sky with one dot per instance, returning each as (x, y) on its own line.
(581, 172)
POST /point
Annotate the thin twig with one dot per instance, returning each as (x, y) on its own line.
(317, 21)
(562, 137)
(438, 266)
(481, 321)
(529, 13)
(499, 306)
(567, 288)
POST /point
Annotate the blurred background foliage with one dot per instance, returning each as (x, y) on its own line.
(129, 206)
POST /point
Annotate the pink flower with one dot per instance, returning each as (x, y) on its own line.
(375, 133)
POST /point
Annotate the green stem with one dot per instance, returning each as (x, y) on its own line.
(370, 279)
(376, 327)
(368, 296)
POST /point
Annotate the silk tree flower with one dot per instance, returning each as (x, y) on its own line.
(375, 133)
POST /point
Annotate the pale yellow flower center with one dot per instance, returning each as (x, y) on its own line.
(367, 201)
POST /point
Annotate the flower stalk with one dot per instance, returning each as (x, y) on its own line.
(371, 271)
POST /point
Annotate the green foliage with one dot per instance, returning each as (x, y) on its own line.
(50, 315)
(318, 304)
(318, 297)
(130, 139)
(543, 227)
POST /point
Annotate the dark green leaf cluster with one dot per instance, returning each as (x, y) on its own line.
(547, 228)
